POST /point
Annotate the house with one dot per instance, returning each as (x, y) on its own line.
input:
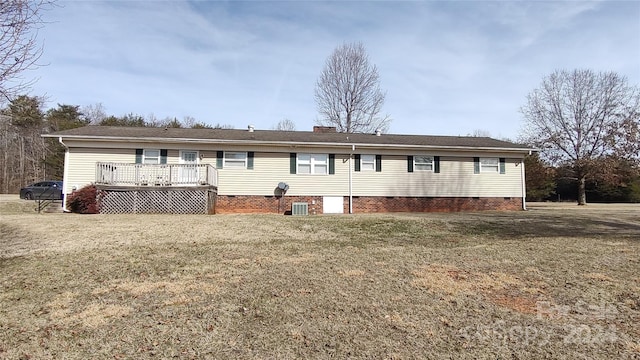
(264, 171)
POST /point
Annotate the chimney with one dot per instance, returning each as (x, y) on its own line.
(378, 132)
(324, 129)
(251, 127)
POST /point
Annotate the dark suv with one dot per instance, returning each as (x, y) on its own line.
(49, 190)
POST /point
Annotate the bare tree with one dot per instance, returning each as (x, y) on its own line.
(285, 125)
(480, 133)
(576, 118)
(222, 126)
(348, 92)
(188, 121)
(626, 140)
(94, 113)
(19, 48)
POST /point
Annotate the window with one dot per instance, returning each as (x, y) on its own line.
(151, 156)
(368, 162)
(365, 163)
(489, 165)
(312, 164)
(424, 163)
(321, 164)
(235, 159)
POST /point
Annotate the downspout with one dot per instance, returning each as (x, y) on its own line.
(353, 148)
(524, 185)
(65, 175)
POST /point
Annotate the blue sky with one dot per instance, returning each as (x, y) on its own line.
(448, 68)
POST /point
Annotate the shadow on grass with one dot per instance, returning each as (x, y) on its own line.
(533, 225)
(11, 238)
(457, 229)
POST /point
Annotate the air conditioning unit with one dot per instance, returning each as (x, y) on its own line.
(299, 208)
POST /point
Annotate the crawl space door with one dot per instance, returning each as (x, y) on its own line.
(332, 204)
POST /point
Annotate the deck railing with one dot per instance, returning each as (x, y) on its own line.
(126, 174)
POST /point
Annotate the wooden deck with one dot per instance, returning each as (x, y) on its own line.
(155, 175)
(156, 200)
(156, 188)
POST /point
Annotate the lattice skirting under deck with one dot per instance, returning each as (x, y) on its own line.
(159, 201)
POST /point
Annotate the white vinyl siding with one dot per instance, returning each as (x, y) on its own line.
(272, 165)
(82, 171)
(83, 161)
(272, 168)
(456, 179)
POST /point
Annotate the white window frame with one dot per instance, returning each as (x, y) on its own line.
(493, 167)
(146, 158)
(428, 165)
(367, 162)
(315, 162)
(235, 163)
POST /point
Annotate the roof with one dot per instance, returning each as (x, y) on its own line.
(115, 133)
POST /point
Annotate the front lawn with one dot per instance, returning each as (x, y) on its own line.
(546, 283)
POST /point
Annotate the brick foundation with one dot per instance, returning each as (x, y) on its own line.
(248, 204)
(383, 204)
(226, 204)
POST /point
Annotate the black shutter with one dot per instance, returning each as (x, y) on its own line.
(139, 156)
(476, 165)
(436, 164)
(332, 164)
(250, 156)
(357, 164)
(378, 163)
(502, 161)
(163, 156)
(219, 159)
(410, 163)
(292, 163)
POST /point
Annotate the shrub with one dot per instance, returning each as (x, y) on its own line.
(83, 201)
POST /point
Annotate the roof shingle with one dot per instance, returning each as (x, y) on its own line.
(114, 132)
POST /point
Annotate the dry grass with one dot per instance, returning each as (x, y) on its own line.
(548, 283)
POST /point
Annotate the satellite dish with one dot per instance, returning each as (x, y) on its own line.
(283, 186)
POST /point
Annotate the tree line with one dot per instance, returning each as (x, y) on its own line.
(586, 125)
(619, 183)
(28, 157)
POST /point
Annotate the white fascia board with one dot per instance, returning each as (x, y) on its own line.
(290, 143)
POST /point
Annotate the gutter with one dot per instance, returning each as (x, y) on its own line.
(524, 184)
(288, 143)
(65, 175)
(353, 148)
